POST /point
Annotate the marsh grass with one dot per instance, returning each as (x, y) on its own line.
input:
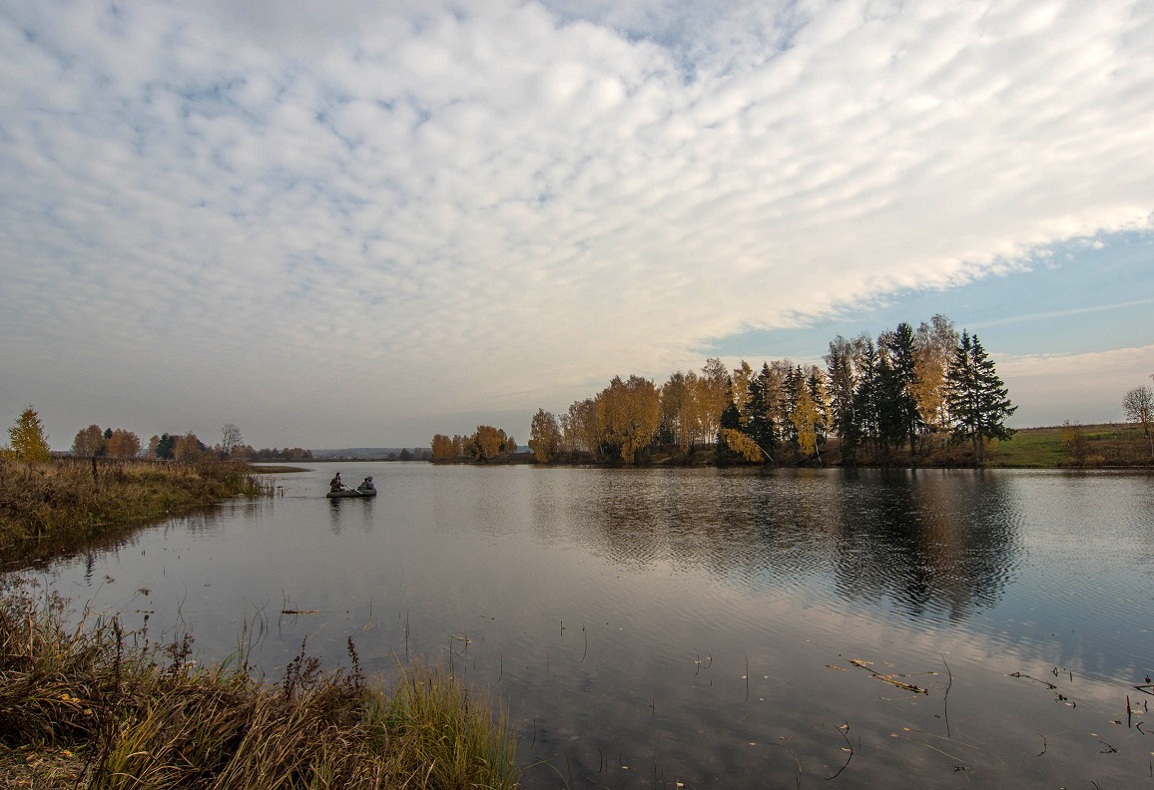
(138, 714)
(78, 497)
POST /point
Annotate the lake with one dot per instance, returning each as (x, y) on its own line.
(701, 628)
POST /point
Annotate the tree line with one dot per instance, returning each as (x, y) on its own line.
(899, 396)
(28, 441)
(486, 443)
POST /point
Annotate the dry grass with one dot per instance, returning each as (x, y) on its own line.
(129, 714)
(74, 498)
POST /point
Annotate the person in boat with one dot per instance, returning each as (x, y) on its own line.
(367, 484)
(335, 484)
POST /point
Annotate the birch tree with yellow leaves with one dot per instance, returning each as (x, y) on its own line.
(629, 413)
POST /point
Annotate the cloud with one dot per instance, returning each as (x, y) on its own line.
(436, 206)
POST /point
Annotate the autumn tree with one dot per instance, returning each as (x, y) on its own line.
(89, 442)
(739, 394)
(27, 440)
(978, 401)
(583, 429)
(486, 443)
(545, 436)
(629, 413)
(805, 416)
(123, 444)
(713, 395)
(742, 444)
(934, 345)
(187, 447)
(681, 410)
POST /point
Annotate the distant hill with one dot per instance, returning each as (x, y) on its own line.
(373, 453)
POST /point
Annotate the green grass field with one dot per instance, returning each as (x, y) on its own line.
(1081, 446)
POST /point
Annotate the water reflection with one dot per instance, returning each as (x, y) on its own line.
(930, 543)
(52, 550)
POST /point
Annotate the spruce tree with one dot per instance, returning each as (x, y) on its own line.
(760, 427)
(843, 413)
(979, 402)
(902, 419)
(866, 397)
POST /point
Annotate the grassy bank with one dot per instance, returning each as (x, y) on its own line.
(1109, 445)
(72, 499)
(96, 707)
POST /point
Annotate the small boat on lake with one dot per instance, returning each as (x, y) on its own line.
(352, 493)
(365, 489)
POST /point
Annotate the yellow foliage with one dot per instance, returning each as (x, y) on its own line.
(28, 440)
(740, 443)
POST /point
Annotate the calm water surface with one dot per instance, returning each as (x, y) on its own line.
(703, 628)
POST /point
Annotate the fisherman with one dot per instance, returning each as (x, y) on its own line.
(335, 484)
(367, 485)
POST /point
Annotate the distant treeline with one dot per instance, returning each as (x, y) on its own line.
(92, 442)
(485, 444)
(905, 395)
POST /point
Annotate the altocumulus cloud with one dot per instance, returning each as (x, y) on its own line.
(421, 208)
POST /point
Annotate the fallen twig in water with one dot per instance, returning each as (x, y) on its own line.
(844, 730)
(1046, 683)
(946, 698)
(797, 761)
(891, 679)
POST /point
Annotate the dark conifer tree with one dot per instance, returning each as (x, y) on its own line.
(904, 420)
(866, 397)
(820, 398)
(842, 403)
(759, 427)
(979, 402)
(794, 383)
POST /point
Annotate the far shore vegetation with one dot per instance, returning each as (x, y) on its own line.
(1067, 446)
(911, 397)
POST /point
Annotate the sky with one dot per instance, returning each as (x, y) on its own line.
(356, 224)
